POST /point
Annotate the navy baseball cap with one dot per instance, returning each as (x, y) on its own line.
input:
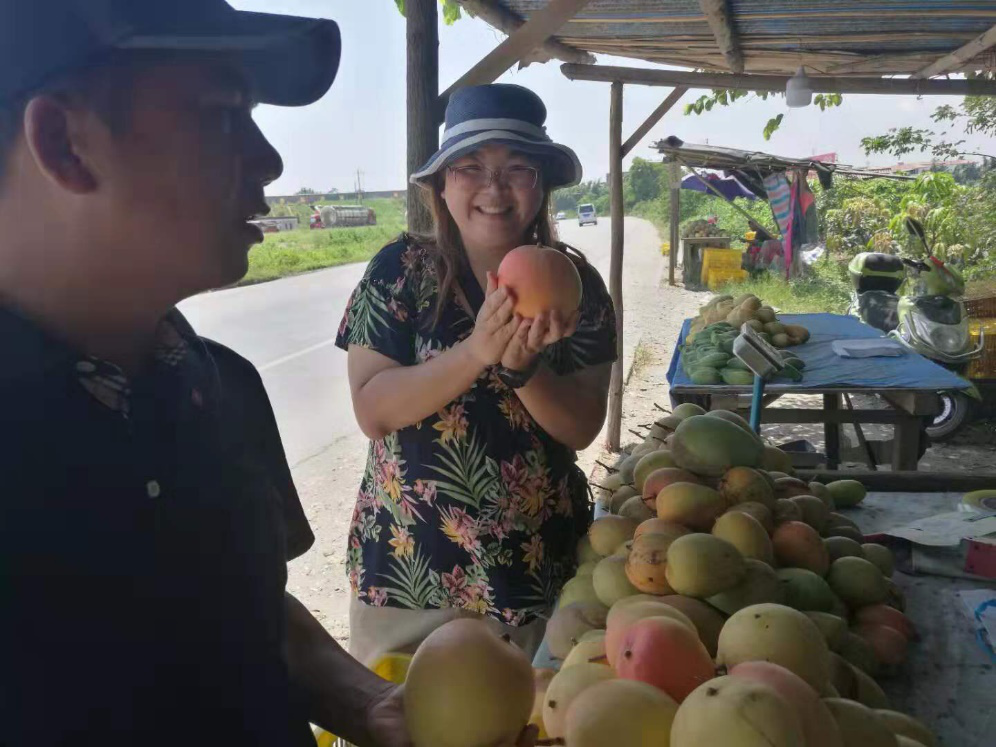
(287, 61)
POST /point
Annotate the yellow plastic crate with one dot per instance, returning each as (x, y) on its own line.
(666, 248)
(983, 367)
(716, 278)
(721, 259)
(391, 667)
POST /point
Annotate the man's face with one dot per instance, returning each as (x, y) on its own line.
(179, 184)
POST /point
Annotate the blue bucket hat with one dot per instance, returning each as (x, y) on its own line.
(501, 114)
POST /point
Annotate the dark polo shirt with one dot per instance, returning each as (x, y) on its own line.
(145, 527)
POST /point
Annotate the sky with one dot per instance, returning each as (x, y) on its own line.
(360, 124)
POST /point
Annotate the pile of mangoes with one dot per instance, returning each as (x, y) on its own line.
(750, 310)
(725, 602)
(707, 358)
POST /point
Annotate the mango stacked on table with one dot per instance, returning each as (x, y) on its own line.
(707, 353)
(725, 602)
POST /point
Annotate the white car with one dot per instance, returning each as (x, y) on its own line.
(560, 216)
(586, 215)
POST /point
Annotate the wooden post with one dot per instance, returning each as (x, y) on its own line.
(615, 267)
(422, 20)
(674, 177)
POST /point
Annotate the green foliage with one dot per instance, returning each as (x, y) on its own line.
(303, 250)
(645, 179)
(451, 10)
(725, 97)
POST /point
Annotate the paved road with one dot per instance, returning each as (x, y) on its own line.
(287, 329)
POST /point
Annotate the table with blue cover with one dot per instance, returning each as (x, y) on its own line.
(909, 383)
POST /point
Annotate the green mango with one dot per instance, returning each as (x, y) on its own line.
(736, 377)
(713, 360)
(704, 375)
(738, 364)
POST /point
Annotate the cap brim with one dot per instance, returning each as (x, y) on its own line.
(287, 60)
(564, 166)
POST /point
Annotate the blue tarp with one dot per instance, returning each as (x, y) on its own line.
(730, 187)
(824, 368)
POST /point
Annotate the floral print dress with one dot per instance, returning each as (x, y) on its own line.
(476, 507)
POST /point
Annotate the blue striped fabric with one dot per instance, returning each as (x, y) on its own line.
(777, 187)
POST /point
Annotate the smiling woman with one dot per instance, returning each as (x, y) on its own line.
(471, 503)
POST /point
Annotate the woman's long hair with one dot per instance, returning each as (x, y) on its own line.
(446, 246)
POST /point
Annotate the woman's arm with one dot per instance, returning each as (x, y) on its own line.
(388, 396)
(570, 408)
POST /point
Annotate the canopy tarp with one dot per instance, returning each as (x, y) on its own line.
(729, 187)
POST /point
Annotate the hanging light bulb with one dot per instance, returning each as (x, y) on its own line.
(797, 90)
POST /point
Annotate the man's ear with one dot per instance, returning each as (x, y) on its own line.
(52, 136)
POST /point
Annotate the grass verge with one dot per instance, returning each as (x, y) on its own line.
(825, 288)
(304, 250)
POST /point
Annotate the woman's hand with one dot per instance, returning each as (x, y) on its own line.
(532, 336)
(495, 325)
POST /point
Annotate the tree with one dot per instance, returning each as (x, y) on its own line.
(451, 10)
(306, 191)
(645, 179)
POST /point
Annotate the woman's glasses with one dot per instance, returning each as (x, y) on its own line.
(478, 177)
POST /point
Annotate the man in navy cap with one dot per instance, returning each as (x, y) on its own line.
(146, 507)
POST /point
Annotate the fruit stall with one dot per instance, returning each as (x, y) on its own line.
(826, 355)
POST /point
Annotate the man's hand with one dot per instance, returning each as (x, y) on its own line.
(386, 722)
(532, 336)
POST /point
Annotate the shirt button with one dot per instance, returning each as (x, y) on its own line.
(153, 489)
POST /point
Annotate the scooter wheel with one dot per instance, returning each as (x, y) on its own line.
(955, 412)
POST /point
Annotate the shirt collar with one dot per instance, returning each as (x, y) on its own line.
(31, 352)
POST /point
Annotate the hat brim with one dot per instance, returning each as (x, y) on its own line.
(563, 168)
(287, 60)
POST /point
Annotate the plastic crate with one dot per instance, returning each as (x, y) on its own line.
(391, 667)
(983, 367)
(981, 308)
(721, 259)
(716, 278)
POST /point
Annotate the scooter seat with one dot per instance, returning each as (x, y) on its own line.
(879, 309)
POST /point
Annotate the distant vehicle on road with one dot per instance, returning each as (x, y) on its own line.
(276, 224)
(586, 215)
(560, 216)
(342, 216)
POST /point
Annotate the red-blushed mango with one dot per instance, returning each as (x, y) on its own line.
(798, 545)
(779, 634)
(818, 725)
(631, 610)
(890, 646)
(883, 614)
(660, 478)
(625, 713)
(450, 704)
(708, 622)
(735, 712)
(664, 653)
(539, 279)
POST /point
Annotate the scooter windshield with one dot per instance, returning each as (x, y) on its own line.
(939, 309)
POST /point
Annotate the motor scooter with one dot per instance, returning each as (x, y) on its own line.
(917, 302)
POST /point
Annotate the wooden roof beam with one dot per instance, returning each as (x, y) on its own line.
(819, 84)
(540, 26)
(960, 56)
(717, 13)
(658, 113)
(508, 23)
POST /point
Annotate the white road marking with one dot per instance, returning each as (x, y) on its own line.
(295, 356)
